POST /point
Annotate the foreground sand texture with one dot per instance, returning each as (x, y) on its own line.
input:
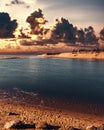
(38, 115)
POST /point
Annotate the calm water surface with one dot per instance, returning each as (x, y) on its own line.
(61, 78)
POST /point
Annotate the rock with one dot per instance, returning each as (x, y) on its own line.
(12, 114)
(72, 128)
(52, 127)
(11, 124)
(18, 125)
(41, 125)
(45, 126)
(91, 128)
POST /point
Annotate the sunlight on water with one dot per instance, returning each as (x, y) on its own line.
(81, 79)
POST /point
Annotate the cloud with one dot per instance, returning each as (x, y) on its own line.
(27, 43)
(79, 11)
(26, 3)
(17, 2)
(64, 30)
(7, 26)
(36, 21)
(23, 1)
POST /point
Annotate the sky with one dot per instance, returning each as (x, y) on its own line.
(81, 13)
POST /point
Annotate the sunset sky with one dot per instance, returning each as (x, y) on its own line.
(81, 13)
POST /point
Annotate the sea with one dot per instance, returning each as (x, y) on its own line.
(51, 78)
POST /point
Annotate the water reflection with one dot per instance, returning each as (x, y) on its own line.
(54, 77)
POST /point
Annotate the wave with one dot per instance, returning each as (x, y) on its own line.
(20, 96)
(25, 92)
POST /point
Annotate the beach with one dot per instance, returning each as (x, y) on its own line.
(39, 115)
(77, 55)
(45, 112)
(51, 65)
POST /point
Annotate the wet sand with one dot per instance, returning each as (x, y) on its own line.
(39, 110)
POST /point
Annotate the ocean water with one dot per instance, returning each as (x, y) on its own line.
(53, 77)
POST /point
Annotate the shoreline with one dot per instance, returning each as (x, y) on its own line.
(79, 115)
(68, 55)
(34, 114)
(77, 55)
(88, 106)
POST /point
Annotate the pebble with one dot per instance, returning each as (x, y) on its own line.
(11, 124)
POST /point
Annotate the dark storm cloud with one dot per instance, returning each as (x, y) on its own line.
(7, 26)
(64, 30)
(87, 35)
(36, 20)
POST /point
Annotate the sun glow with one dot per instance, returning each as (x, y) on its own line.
(40, 20)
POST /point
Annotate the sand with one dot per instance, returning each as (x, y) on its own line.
(34, 114)
(77, 55)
